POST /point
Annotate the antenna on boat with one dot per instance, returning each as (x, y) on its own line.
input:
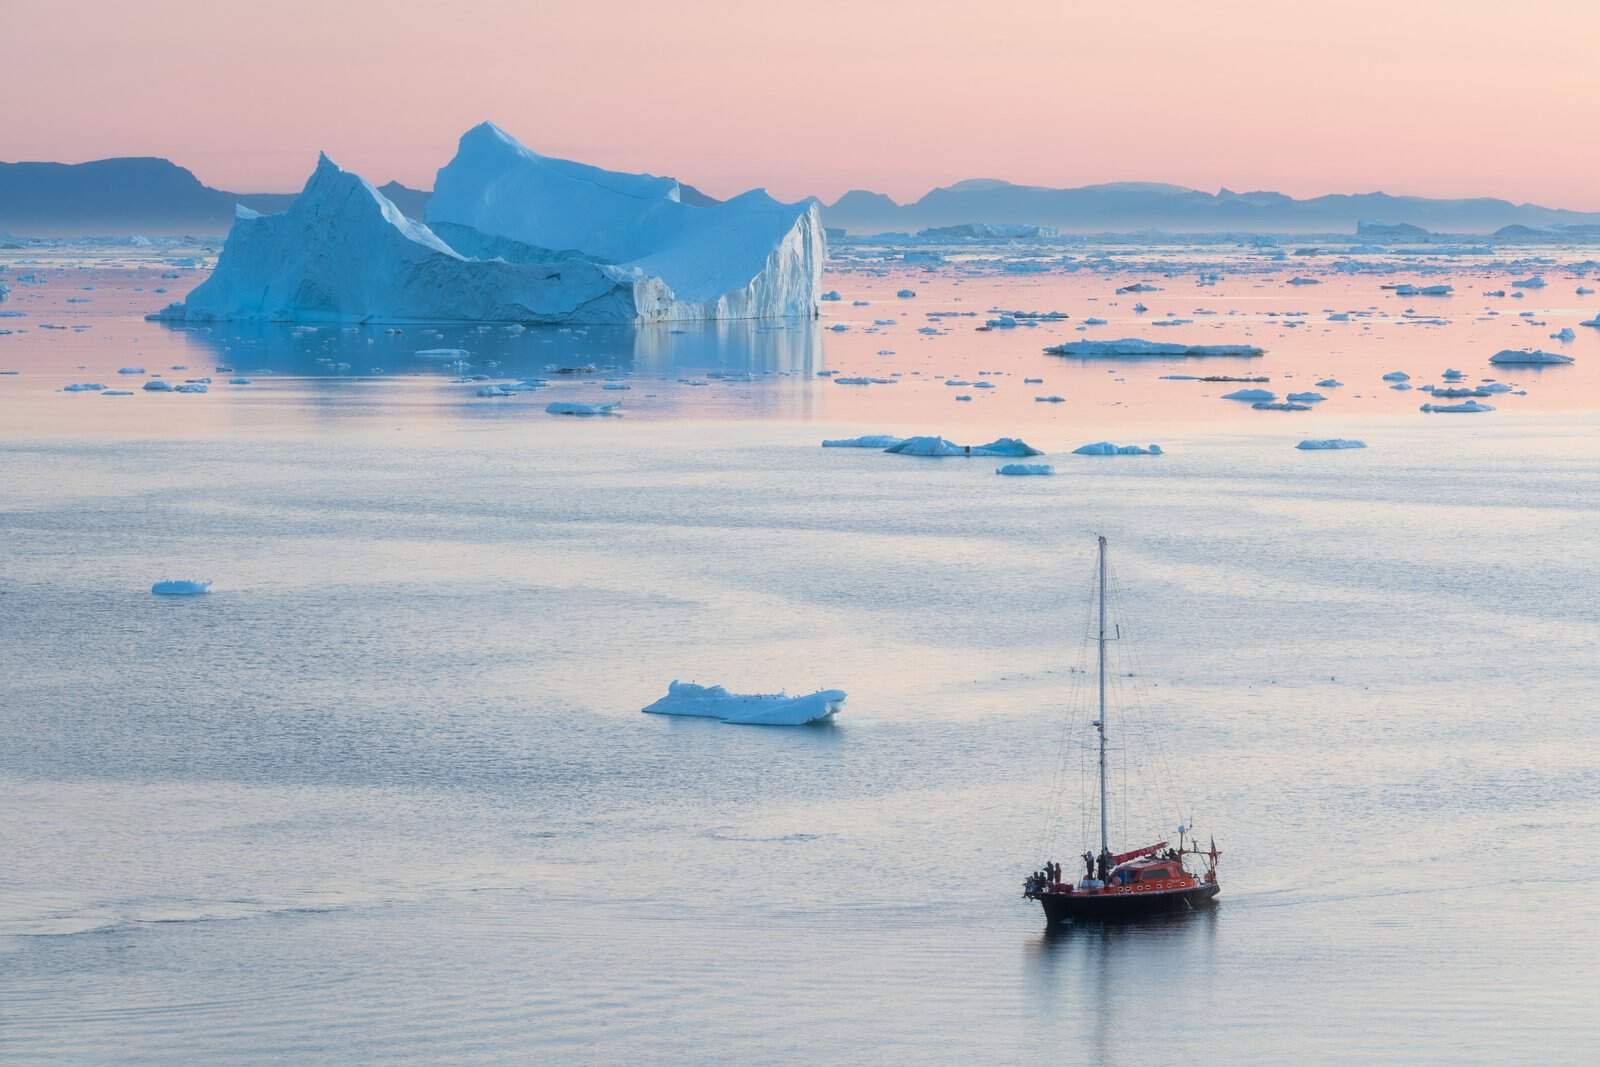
(1101, 723)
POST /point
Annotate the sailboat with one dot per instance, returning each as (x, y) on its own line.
(1152, 880)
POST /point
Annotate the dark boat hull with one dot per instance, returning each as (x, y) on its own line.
(1121, 907)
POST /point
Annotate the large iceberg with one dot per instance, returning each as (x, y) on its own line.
(746, 258)
(938, 446)
(1528, 357)
(766, 709)
(516, 237)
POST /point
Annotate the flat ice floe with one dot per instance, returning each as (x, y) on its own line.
(1023, 470)
(1329, 443)
(1528, 357)
(938, 446)
(762, 709)
(1138, 348)
(1465, 407)
(568, 407)
(1106, 448)
(181, 587)
(879, 441)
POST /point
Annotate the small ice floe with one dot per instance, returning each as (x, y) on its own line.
(1139, 287)
(1280, 405)
(616, 387)
(1584, 290)
(1305, 398)
(130, 370)
(831, 294)
(1535, 282)
(762, 709)
(879, 441)
(1528, 357)
(1564, 334)
(1138, 348)
(1033, 381)
(181, 587)
(1595, 322)
(938, 446)
(1092, 321)
(1022, 470)
(1298, 280)
(191, 387)
(1397, 376)
(1330, 383)
(1451, 374)
(82, 387)
(117, 392)
(446, 355)
(1423, 290)
(1050, 400)
(157, 385)
(1313, 445)
(1465, 407)
(839, 327)
(1139, 309)
(1252, 395)
(1106, 448)
(568, 407)
(906, 294)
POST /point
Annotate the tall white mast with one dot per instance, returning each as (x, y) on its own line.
(1101, 724)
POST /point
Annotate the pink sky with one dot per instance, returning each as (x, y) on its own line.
(1433, 97)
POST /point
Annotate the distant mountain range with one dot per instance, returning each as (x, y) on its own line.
(153, 196)
(1126, 207)
(143, 195)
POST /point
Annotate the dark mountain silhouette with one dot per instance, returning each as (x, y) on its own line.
(1123, 207)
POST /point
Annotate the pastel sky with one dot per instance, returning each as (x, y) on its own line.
(1434, 97)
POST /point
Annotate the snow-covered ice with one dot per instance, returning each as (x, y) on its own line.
(1106, 448)
(938, 446)
(1313, 445)
(879, 441)
(1022, 470)
(1528, 357)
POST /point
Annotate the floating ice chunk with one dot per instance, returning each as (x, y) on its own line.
(1595, 322)
(1250, 394)
(1329, 443)
(1092, 321)
(1535, 282)
(765, 709)
(1280, 406)
(1330, 383)
(1303, 281)
(181, 587)
(240, 381)
(567, 407)
(906, 294)
(617, 387)
(1466, 406)
(1339, 316)
(839, 327)
(82, 387)
(1584, 290)
(1139, 287)
(1049, 400)
(1397, 376)
(1564, 334)
(130, 370)
(831, 294)
(1401, 387)
(156, 385)
(1528, 357)
(1106, 448)
(116, 392)
(445, 355)
(1304, 398)
(1019, 470)
(865, 381)
(938, 446)
(1423, 290)
(1138, 348)
(879, 441)
(1451, 374)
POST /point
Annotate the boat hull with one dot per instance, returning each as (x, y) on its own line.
(1122, 907)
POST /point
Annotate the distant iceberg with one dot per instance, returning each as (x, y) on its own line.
(1254, 395)
(775, 709)
(514, 236)
(1106, 448)
(567, 407)
(1022, 470)
(1138, 348)
(880, 441)
(938, 446)
(1528, 357)
(1465, 407)
(181, 587)
(1329, 443)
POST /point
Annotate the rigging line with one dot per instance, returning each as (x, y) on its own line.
(1131, 661)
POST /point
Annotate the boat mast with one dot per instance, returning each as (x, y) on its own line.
(1101, 724)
